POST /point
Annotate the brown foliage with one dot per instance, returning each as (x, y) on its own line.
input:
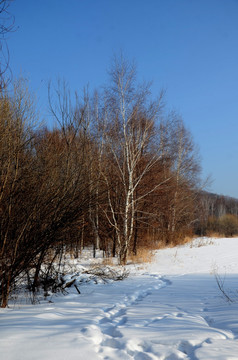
(113, 173)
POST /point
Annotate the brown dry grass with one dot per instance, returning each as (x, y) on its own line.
(187, 239)
(214, 234)
(108, 261)
(179, 241)
(144, 255)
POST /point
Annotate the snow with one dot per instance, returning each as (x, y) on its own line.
(170, 309)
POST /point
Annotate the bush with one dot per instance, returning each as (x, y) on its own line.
(228, 224)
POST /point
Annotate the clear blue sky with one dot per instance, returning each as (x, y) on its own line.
(188, 47)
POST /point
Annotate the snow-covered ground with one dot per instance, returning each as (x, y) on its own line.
(170, 309)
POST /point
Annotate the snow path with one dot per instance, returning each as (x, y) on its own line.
(105, 332)
(127, 329)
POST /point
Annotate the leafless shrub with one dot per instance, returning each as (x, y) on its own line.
(107, 273)
(221, 286)
(53, 282)
(7, 25)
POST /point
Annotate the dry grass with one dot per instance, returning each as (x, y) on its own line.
(144, 255)
(214, 234)
(184, 240)
(108, 261)
(188, 239)
(179, 241)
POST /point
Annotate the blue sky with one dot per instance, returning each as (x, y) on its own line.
(188, 47)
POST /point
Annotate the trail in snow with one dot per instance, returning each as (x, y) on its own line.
(105, 332)
(120, 332)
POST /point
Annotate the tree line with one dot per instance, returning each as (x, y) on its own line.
(116, 172)
(218, 215)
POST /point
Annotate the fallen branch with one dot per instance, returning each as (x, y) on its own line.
(107, 273)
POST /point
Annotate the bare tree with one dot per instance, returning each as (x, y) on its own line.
(129, 133)
(6, 26)
(185, 182)
(43, 188)
(15, 163)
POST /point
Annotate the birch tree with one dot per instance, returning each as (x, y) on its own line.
(130, 135)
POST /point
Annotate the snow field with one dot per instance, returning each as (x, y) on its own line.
(169, 310)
